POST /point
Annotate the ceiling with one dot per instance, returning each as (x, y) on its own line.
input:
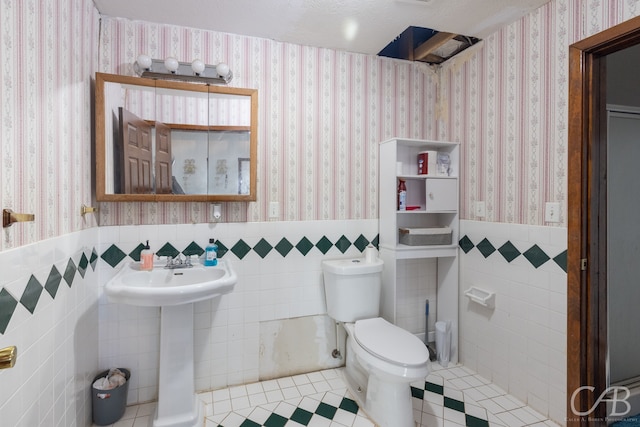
(362, 26)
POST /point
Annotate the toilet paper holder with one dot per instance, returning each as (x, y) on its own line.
(481, 296)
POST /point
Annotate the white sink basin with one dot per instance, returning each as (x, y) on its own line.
(163, 287)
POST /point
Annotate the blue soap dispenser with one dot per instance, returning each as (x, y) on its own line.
(211, 254)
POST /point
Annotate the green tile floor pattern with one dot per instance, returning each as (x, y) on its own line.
(308, 413)
(452, 396)
(304, 416)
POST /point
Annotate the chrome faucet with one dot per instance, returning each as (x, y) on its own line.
(177, 262)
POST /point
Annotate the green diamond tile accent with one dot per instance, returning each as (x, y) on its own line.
(434, 388)
(349, 405)
(113, 255)
(275, 420)
(486, 248)
(304, 246)
(262, 248)
(454, 404)
(193, 249)
(222, 249)
(249, 423)
(561, 260)
(94, 259)
(301, 416)
(375, 241)
(53, 281)
(326, 411)
(7, 307)
(466, 244)
(508, 251)
(283, 247)
(135, 254)
(31, 294)
(240, 249)
(536, 256)
(83, 264)
(168, 250)
(361, 243)
(324, 244)
(475, 422)
(418, 393)
(343, 244)
(69, 272)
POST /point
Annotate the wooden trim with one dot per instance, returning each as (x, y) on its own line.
(576, 248)
(586, 290)
(433, 43)
(102, 78)
(203, 128)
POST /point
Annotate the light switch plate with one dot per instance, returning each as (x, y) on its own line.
(552, 212)
(480, 209)
(274, 209)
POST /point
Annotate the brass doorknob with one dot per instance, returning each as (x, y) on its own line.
(8, 356)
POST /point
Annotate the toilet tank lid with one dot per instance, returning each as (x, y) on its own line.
(349, 266)
(390, 342)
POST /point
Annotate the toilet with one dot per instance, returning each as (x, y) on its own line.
(382, 360)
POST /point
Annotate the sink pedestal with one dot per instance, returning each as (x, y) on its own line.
(174, 291)
(178, 405)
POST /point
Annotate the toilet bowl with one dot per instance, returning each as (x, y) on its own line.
(382, 360)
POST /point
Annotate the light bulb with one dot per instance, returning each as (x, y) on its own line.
(144, 61)
(171, 64)
(197, 66)
(222, 69)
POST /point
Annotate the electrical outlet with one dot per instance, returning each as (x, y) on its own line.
(480, 209)
(274, 209)
(552, 212)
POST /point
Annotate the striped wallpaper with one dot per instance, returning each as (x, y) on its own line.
(47, 60)
(322, 113)
(506, 100)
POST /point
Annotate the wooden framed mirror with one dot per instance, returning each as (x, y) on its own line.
(163, 140)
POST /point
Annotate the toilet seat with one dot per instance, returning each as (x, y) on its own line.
(390, 343)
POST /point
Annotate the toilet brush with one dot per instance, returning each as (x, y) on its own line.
(432, 352)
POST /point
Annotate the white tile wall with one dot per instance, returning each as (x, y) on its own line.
(58, 343)
(227, 329)
(521, 344)
(416, 282)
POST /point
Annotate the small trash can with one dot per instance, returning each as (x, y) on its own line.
(109, 405)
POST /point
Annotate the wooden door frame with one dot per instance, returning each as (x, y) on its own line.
(586, 286)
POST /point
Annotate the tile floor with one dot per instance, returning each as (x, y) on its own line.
(450, 397)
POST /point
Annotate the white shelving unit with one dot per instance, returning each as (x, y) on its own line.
(436, 199)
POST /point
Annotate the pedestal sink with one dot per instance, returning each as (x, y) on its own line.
(175, 291)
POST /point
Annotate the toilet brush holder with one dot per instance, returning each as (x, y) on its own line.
(443, 342)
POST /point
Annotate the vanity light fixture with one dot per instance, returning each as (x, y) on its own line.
(172, 69)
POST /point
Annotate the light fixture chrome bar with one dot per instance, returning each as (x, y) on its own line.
(184, 72)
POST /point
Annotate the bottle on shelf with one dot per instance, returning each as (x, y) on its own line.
(402, 195)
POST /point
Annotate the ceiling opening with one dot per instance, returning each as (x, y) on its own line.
(427, 45)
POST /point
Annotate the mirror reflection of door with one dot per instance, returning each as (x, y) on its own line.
(136, 173)
(163, 140)
(164, 180)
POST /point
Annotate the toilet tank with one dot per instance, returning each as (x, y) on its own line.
(352, 288)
